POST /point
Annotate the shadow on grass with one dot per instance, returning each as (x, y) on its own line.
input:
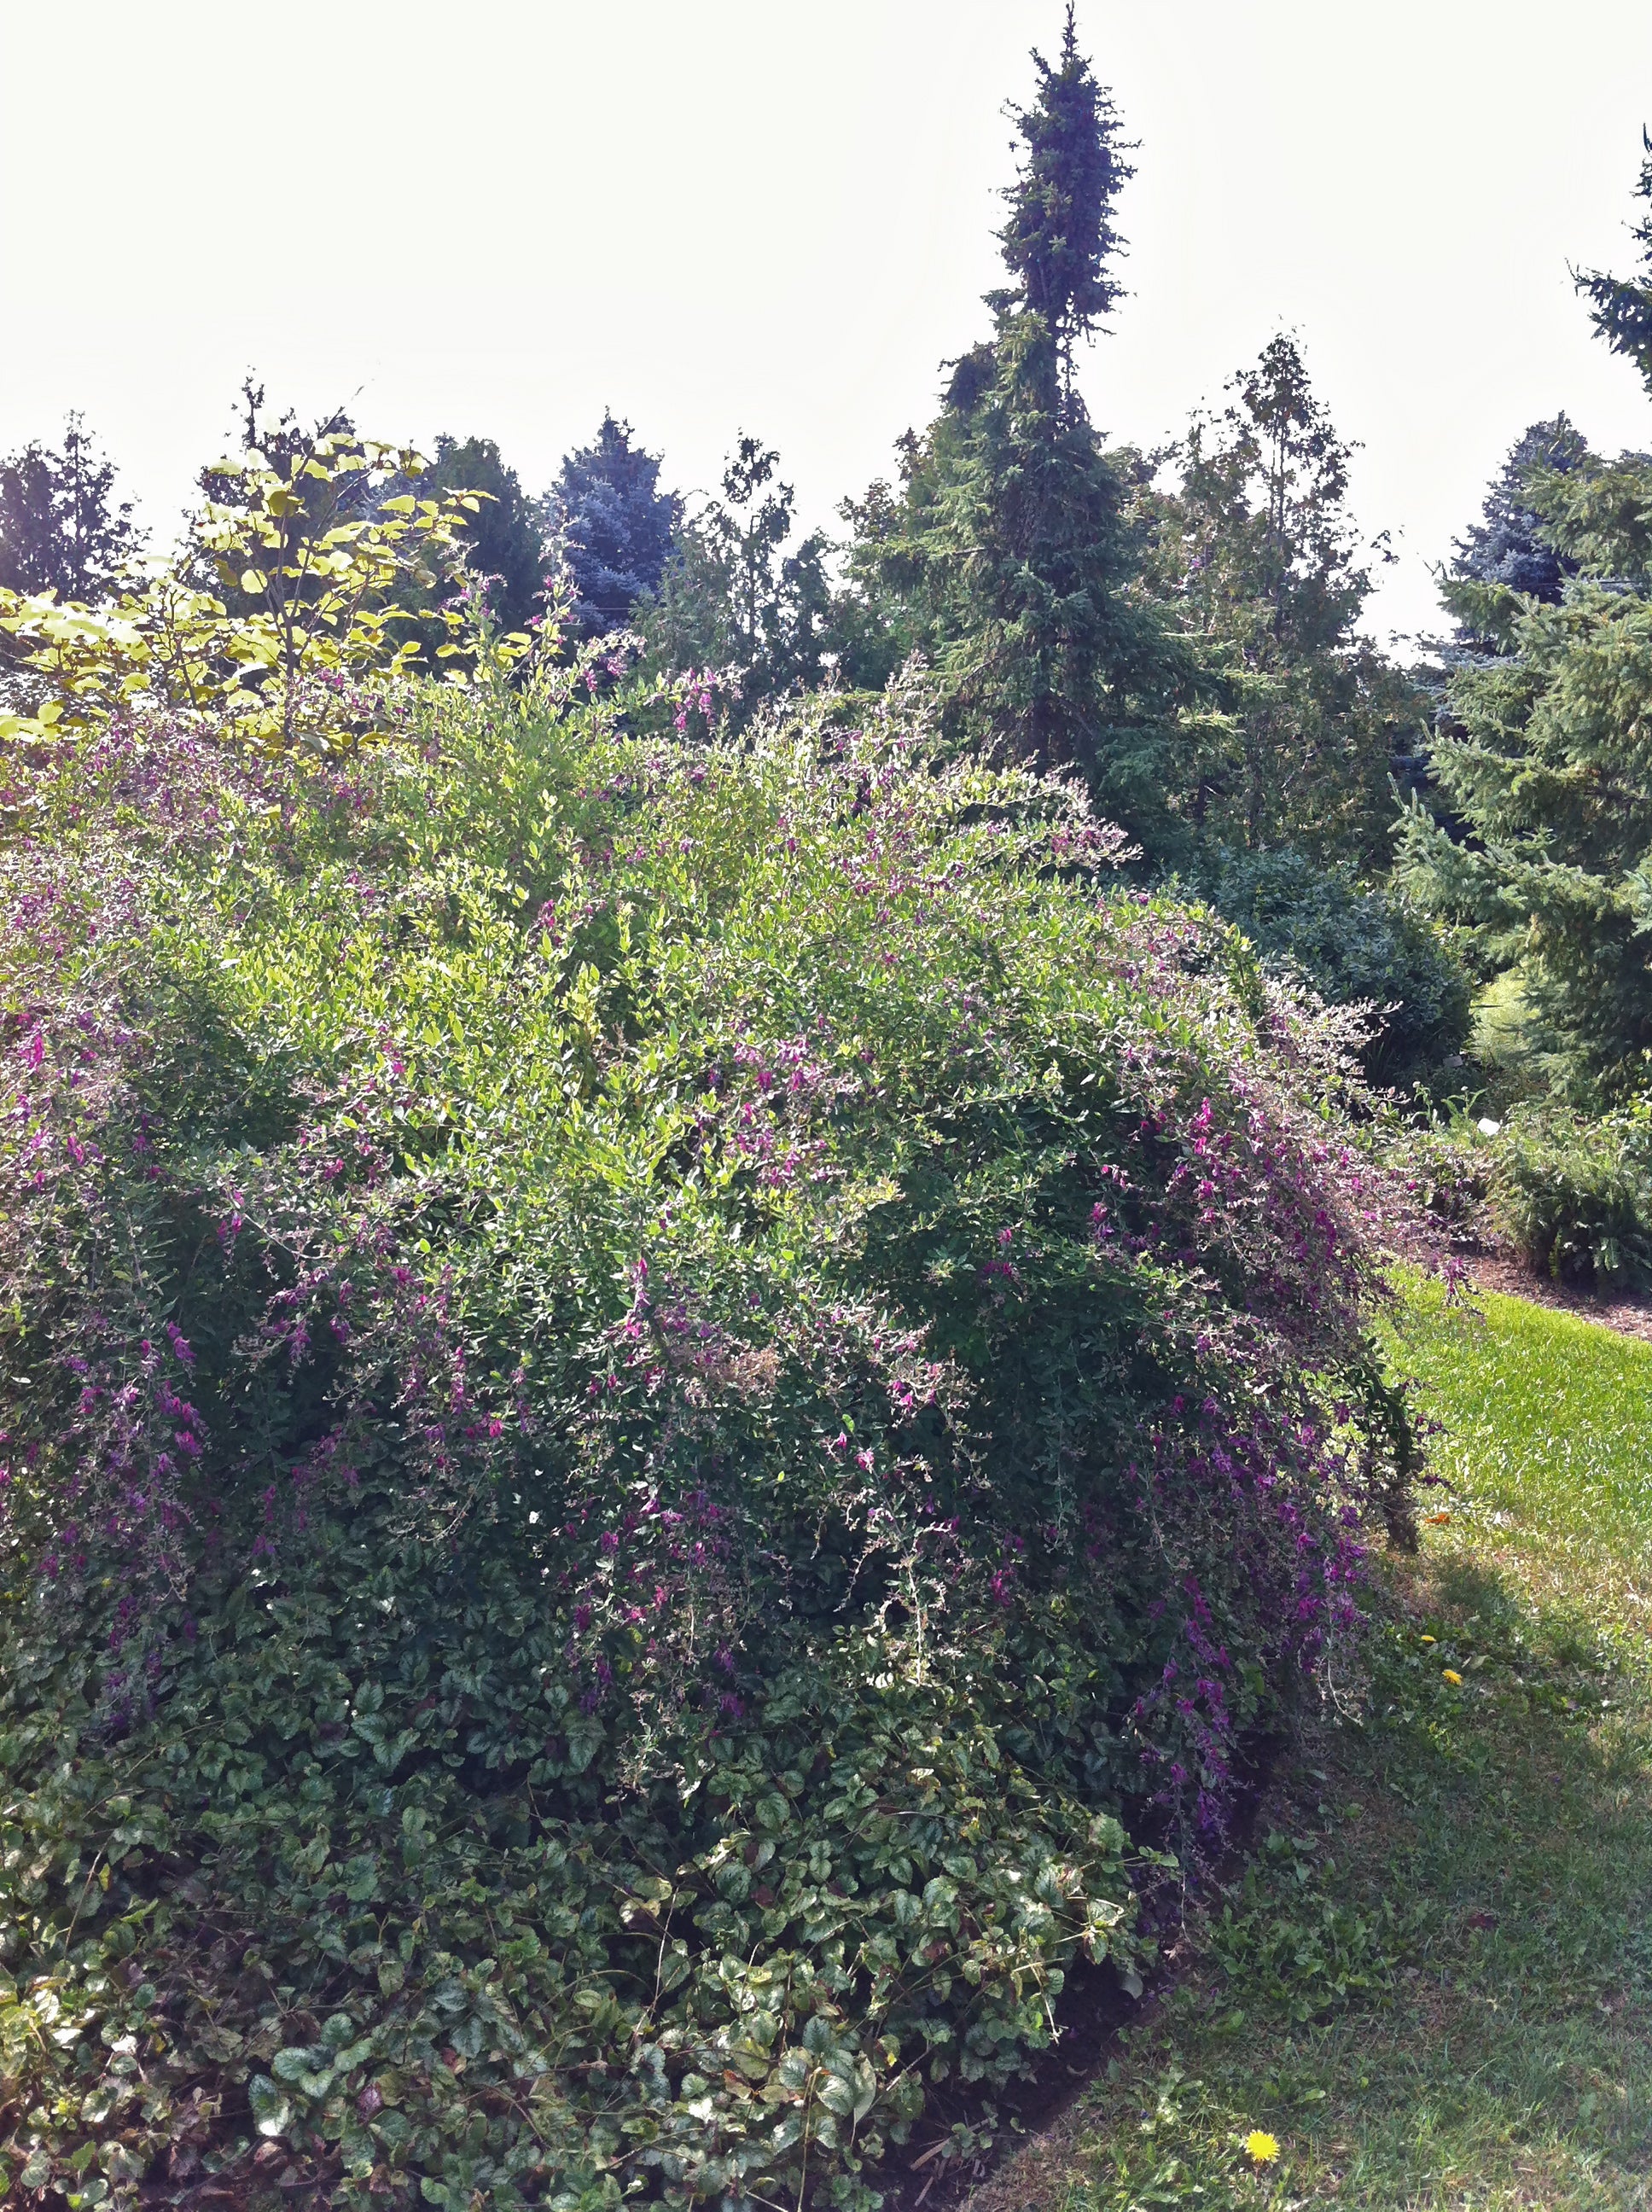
(1432, 1986)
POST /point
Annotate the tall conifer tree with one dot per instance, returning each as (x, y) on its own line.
(1060, 242)
(1507, 544)
(615, 525)
(1016, 554)
(1257, 547)
(1545, 759)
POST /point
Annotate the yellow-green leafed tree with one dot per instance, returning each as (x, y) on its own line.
(298, 643)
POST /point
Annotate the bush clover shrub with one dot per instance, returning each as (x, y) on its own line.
(650, 1389)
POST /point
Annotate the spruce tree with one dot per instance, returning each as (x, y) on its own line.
(1017, 560)
(1545, 755)
(1059, 243)
(615, 525)
(1623, 305)
(1507, 544)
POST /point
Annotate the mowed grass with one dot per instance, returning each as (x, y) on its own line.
(1432, 1986)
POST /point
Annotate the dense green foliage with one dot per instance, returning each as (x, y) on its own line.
(1575, 1195)
(731, 600)
(283, 618)
(1017, 557)
(682, 1363)
(1354, 946)
(504, 540)
(1542, 763)
(1255, 545)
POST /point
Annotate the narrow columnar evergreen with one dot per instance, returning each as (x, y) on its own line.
(1015, 555)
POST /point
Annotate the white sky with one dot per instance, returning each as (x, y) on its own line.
(775, 215)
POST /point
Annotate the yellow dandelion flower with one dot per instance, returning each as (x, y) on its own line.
(1262, 2147)
(1451, 1674)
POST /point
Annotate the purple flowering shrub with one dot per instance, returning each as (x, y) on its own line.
(652, 1388)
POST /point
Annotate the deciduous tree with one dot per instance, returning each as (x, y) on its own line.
(731, 597)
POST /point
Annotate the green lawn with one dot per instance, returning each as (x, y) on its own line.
(1433, 1987)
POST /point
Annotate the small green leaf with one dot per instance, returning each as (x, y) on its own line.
(271, 2113)
(361, 1878)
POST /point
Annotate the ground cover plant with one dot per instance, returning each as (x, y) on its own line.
(1429, 1987)
(666, 1404)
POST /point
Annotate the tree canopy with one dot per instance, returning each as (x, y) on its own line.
(1059, 243)
(1256, 546)
(1507, 545)
(733, 598)
(504, 539)
(1622, 305)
